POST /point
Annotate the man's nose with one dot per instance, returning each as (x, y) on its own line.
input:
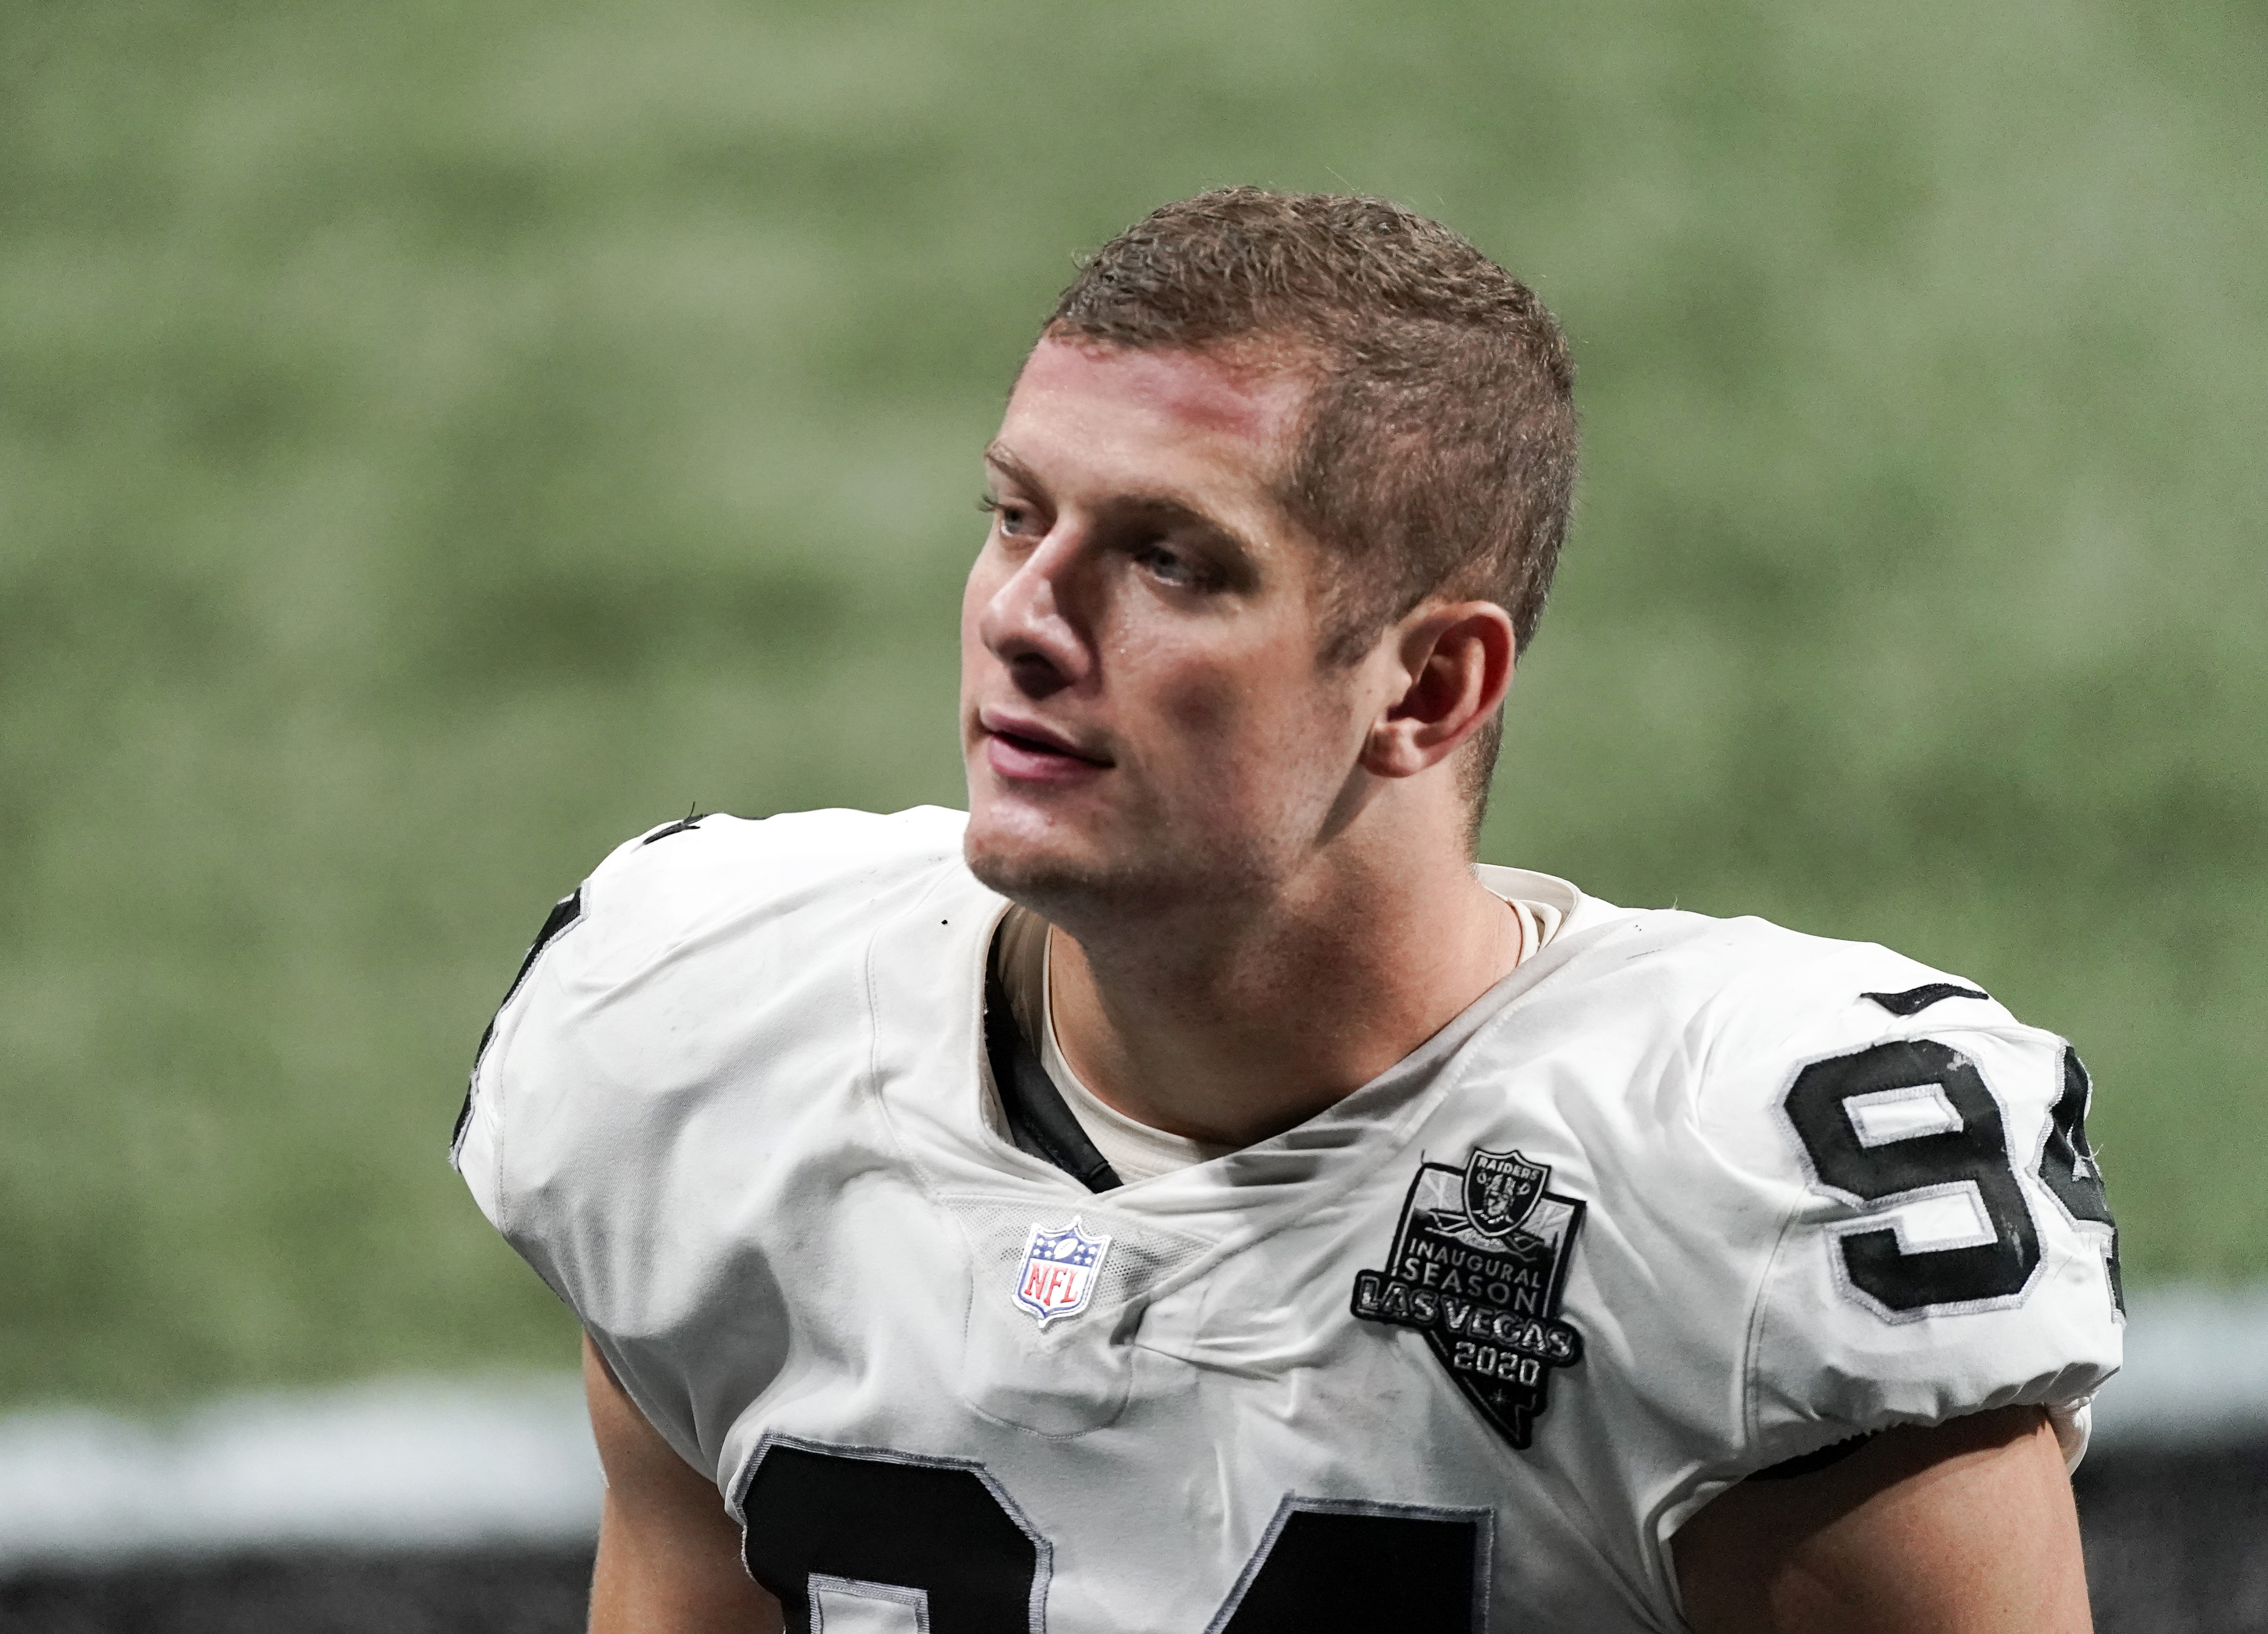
(1033, 621)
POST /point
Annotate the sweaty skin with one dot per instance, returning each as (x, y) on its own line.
(1162, 765)
(1968, 1527)
(669, 1557)
(1256, 865)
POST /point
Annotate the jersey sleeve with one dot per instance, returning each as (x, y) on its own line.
(1943, 1245)
(698, 995)
(475, 1146)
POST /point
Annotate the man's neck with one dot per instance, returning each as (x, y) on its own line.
(1230, 1024)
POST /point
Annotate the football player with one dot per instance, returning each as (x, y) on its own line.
(1189, 1194)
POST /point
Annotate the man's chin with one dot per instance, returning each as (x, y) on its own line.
(1077, 881)
(1024, 870)
(1062, 876)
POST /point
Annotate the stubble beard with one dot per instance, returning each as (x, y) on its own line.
(1105, 897)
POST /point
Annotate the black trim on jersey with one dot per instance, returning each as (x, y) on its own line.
(563, 913)
(1804, 1463)
(691, 820)
(1914, 1000)
(1038, 1120)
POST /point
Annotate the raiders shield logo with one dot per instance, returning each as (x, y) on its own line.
(1477, 1265)
(1501, 1189)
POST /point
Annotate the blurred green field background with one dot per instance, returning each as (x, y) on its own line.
(436, 441)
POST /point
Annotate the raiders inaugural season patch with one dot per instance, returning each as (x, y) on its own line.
(1477, 1265)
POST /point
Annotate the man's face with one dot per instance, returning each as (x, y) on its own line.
(1143, 717)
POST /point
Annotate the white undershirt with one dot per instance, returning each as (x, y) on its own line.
(1134, 1149)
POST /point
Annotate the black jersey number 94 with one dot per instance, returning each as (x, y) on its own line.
(1910, 1120)
(879, 1539)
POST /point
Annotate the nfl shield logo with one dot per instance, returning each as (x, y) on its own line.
(1059, 1270)
(1501, 1190)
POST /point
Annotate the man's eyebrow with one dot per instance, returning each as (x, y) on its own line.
(1001, 457)
(1163, 510)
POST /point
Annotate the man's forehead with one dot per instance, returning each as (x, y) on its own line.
(1199, 401)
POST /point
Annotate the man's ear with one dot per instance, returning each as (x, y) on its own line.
(1455, 663)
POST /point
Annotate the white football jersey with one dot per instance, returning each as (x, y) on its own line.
(1678, 1200)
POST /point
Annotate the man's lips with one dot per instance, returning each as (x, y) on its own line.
(1030, 752)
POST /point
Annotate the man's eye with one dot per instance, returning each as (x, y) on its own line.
(1169, 567)
(1009, 517)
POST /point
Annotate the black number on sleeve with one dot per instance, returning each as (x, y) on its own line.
(2068, 1165)
(940, 1537)
(1897, 1170)
(936, 1527)
(1362, 1566)
(2066, 1161)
